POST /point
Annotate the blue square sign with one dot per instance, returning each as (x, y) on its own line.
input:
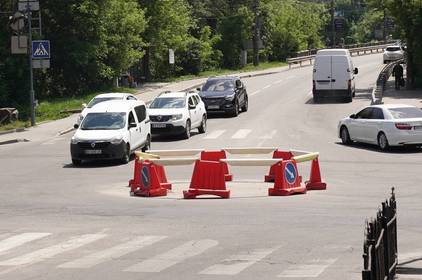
(41, 49)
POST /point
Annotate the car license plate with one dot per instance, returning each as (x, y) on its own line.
(213, 107)
(158, 125)
(93, 152)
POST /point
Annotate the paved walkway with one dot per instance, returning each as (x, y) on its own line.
(146, 92)
(402, 96)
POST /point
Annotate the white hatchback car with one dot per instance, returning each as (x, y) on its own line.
(392, 53)
(101, 98)
(383, 125)
(177, 113)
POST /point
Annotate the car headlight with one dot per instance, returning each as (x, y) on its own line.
(116, 140)
(230, 97)
(176, 117)
(74, 140)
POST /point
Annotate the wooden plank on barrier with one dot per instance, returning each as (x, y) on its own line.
(250, 151)
(307, 157)
(252, 161)
(175, 161)
(176, 153)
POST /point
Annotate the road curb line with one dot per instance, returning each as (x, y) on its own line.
(12, 131)
(12, 141)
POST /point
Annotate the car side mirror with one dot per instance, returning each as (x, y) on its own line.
(198, 89)
(191, 107)
(132, 125)
(239, 84)
(84, 105)
(352, 116)
(76, 126)
(356, 71)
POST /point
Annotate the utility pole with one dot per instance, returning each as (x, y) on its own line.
(31, 73)
(384, 29)
(333, 27)
(255, 39)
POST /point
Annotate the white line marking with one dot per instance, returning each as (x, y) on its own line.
(174, 256)
(311, 269)
(255, 92)
(278, 82)
(49, 252)
(237, 263)
(19, 240)
(268, 86)
(215, 134)
(241, 133)
(113, 252)
(269, 135)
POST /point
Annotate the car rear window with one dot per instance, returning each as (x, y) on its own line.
(218, 85)
(406, 112)
(393, 49)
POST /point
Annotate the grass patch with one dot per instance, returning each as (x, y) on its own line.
(219, 72)
(52, 109)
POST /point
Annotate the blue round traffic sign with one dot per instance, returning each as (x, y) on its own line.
(290, 173)
(145, 177)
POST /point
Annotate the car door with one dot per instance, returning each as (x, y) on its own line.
(193, 112)
(373, 125)
(340, 72)
(143, 123)
(239, 91)
(200, 107)
(322, 72)
(134, 133)
(358, 124)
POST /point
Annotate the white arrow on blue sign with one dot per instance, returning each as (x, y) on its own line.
(41, 49)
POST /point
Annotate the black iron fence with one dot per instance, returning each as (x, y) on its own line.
(380, 244)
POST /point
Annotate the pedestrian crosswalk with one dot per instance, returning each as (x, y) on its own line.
(53, 250)
(239, 134)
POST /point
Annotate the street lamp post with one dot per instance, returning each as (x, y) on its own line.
(31, 74)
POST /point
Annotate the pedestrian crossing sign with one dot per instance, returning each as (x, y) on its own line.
(41, 49)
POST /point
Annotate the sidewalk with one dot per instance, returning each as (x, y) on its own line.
(146, 93)
(402, 96)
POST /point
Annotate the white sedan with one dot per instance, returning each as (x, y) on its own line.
(383, 125)
(101, 98)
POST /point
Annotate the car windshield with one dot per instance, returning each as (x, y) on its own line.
(104, 121)
(101, 99)
(406, 112)
(168, 102)
(218, 85)
(393, 49)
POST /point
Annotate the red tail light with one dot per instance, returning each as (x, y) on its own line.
(403, 126)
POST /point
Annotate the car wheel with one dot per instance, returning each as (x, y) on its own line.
(147, 144)
(245, 106)
(186, 134)
(76, 162)
(383, 141)
(203, 127)
(126, 156)
(236, 109)
(345, 136)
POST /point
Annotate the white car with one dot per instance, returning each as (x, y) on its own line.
(392, 53)
(101, 98)
(383, 125)
(177, 113)
(112, 130)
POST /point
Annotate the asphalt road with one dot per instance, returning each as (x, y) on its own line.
(61, 222)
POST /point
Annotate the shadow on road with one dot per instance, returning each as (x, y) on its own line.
(392, 150)
(172, 138)
(360, 94)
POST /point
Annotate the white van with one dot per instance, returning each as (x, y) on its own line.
(334, 75)
(112, 130)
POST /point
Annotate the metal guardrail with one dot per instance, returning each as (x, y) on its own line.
(380, 245)
(383, 77)
(309, 55)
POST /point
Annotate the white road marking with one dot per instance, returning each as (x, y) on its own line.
(268, 86)
(113, 252)
(278, 82)
(52, 141)
(255, 92)
(20, 239)
(174, 256)
(215, 134)
(311, 269)
(237, 263)
(241, 134)
(269, 135)
(49, 252)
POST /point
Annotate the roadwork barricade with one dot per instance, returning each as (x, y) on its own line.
(211, 171)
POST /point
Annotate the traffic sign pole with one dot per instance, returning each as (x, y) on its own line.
(31, 74)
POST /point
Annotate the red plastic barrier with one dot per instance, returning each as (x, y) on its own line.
(287, 179)
(281, 155)
(149, 180)
(208, 178)
(315, 181)
(217, 156)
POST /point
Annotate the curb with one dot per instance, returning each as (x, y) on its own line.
(12, 131)
(12, 141)
(63, 132)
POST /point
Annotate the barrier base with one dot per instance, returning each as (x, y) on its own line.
(148, 193)
(285, 192)
(315, 186)
(193, 193)
(228, 177)
(269, 178)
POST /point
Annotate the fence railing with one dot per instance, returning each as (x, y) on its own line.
(380, 244)
(383, 77)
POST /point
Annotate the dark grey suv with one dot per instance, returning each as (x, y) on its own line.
(224, 94)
